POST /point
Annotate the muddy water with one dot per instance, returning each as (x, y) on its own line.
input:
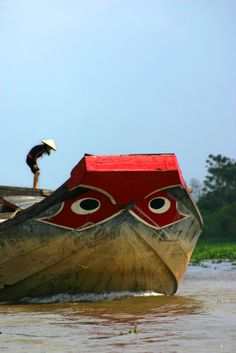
(200, 318)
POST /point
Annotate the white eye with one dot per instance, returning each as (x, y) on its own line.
(85, 206)
(159, 205)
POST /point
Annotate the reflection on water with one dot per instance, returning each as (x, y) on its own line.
(201, 318)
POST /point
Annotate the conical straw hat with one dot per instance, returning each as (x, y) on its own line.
(50, 143)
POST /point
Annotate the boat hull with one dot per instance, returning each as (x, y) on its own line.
(120, 255)
(44, 253)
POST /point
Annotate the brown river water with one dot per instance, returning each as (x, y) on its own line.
(200, 318)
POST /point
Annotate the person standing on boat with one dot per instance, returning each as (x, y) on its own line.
(35, 153)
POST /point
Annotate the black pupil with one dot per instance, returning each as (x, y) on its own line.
(157, 203)
(89, 204)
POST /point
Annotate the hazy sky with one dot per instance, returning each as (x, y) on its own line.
(116, 77)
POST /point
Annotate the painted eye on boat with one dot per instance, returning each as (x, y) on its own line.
(85, 206)
(159, 205)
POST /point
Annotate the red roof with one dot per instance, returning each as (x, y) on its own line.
(137, 173)
(137, 162)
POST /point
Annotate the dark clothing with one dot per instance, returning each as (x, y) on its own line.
(33, 166)
(34, 154)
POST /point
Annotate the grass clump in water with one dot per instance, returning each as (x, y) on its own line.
(134, 329)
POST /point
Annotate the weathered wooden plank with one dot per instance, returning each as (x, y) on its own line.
(17, 190)
(23, 202)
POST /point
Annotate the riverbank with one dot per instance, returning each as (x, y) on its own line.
(217, 249)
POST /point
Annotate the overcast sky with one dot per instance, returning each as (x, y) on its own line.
(116, 77)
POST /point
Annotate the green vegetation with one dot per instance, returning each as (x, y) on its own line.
(217, 203)
(214, 249)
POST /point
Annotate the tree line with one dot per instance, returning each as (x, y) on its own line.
(216, 197)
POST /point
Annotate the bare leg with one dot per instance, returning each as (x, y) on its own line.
(36, 179)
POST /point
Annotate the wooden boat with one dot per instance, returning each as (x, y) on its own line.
(119, 223)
